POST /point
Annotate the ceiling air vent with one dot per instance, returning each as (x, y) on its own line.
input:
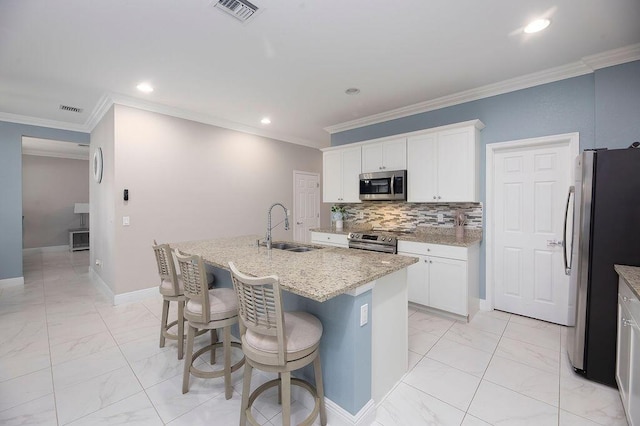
(242, 10)
(70, 108)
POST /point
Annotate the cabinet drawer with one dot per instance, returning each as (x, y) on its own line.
(338, 240)
(629, 299)
(426, 249)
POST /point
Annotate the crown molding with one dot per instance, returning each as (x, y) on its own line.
(44, 153)
(41, 122)
(586, 65)
(114, 98)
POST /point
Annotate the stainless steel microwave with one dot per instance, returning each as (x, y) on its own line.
(384, 185)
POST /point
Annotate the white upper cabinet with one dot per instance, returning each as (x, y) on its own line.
(341, 175)
(384, 156)
(444, 166)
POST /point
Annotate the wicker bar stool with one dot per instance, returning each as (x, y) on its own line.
(171, 290)
(278, 342)
(207, 310)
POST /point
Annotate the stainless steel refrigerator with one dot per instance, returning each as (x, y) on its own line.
(606, 231)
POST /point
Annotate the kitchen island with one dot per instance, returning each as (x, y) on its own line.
(361, 299)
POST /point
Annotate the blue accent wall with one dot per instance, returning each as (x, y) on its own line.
(345, 348)
(604, 107)
(11, 188)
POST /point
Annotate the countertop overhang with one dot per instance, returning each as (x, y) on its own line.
(430, 235)
(631, 274)
(318, 275)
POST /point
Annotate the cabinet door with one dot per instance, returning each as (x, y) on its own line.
(448, 285)
(422, 168)
(417, 280)
(332, 176)
(372, 158)
(351, 158)
(394, 155)
(457, 165)
(623, 353)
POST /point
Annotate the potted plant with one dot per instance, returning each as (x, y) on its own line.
(338, 213)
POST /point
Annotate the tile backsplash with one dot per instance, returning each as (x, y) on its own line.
(398, 214)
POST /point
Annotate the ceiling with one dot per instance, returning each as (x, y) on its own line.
(292, 61)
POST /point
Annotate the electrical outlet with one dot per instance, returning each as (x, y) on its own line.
(440, 218)
(360, 215)
(364, 314)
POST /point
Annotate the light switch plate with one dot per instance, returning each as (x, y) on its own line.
(125, 221)
(364, 314)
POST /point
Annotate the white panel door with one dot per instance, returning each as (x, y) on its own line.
(530, 190)
(306, 213)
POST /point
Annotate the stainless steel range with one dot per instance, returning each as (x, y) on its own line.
(373, 241)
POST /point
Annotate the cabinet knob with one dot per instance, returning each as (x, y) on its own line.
(428, 249)
(431, 261)
(625, 298)
(438, 197)
(434, 197)
(627, 323)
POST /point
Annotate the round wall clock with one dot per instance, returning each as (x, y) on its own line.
(97, 165)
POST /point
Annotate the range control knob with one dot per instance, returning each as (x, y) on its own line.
(384, 238)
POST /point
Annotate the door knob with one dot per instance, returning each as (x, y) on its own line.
(551, 243)
(299, 223)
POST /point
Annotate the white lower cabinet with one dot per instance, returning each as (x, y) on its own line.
(628, 352)
(445, 278)
(328, 239)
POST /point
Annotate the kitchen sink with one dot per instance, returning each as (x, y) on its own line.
(292, 247)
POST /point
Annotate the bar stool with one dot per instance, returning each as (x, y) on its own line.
(207, 310)
(278, 342)
(171, 290)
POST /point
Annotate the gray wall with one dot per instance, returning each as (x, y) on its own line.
(604, 107)
(50, 188)
(186, 181)
(11, 188)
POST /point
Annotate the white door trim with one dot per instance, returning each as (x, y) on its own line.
(570, 139)
(295, 201)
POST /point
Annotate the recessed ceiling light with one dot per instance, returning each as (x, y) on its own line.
(537, 25)
(352, 91)
(144, 87)
(265, 120)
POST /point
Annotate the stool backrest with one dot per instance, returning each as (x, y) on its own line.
(196, 289)
(260, 307)
(166, 269)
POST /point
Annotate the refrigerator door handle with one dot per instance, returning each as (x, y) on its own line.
(567, 260)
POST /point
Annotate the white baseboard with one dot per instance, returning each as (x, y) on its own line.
(44, 249)
(11, 282)
(100, 284)
(135, 296)
(336, 415)
(485, 305)
(119, 299)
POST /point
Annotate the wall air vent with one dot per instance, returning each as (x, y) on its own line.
(242, 10)
(70, 108)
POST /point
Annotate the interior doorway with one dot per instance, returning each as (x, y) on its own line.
(306, 204)
(55, 176)
(527, 184)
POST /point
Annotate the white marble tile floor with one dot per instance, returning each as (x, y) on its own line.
(69, 358)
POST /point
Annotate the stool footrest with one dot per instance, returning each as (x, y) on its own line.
(213, 374)
(294, 382)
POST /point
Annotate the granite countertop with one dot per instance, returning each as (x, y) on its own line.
(631, 274)
(318, 275)
(431, 235)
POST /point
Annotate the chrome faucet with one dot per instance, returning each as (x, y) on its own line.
(269, 228)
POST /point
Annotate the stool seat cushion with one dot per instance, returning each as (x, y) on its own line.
(222, 304)
(302, 331)
(166, 287)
